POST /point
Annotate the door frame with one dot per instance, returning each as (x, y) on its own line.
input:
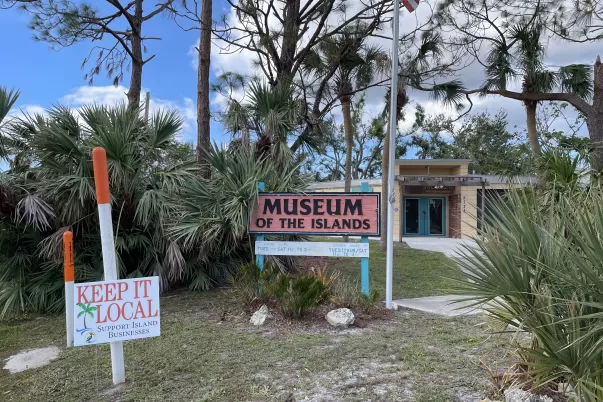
(424, 206)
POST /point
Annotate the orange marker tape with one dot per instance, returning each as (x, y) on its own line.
(68, 257)
(101, 175)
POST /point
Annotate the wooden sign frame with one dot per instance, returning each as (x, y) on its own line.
(364, 260)
(374, 219)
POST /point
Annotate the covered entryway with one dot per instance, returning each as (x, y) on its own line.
(435, 205)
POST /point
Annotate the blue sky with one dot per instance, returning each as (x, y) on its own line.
(46, 76)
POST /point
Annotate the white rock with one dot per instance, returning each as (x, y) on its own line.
(30, 359)
(341, 317)
(260, 316)
(519, 395)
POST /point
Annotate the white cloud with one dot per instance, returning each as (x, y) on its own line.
(87, 95)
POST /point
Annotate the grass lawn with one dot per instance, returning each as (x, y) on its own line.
(208, 351)
(417, 273)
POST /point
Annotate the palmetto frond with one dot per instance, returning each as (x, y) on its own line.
(524, 60)
(538, 268)
(8, 98)
(499, 68)
(450, 93)
(215, 214)
(236, 117)
(578, 79)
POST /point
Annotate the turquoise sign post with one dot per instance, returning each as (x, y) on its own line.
(259, 258)
(364, 261)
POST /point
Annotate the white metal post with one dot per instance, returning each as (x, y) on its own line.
(103, 198)
(393, 118)
(69, 274)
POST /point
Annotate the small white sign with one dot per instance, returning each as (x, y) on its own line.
(316, 249)
(111, 311)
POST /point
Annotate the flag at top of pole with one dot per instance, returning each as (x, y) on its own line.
(411, 5)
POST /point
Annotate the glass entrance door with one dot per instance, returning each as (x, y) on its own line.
(412, 220)
(424, 216)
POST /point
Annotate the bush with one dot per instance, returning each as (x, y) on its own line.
(347, 294)
(296, 295)
(245, 282)
(540, 268)
(168, 221)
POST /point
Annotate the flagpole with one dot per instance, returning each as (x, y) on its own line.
(393, 124)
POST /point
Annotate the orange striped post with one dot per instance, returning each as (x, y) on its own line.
(69, 273)
(103, 199)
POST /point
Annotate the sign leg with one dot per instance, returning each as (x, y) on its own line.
(364, 262)
(259, 259)
(364, 270)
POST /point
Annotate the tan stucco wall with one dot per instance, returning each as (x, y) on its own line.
(423, 170)
(468, 211)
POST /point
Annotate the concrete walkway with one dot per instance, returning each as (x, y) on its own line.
(448, 246)
(439, 305)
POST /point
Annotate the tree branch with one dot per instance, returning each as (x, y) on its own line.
(574, 100)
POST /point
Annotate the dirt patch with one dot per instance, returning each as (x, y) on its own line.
(31, 359)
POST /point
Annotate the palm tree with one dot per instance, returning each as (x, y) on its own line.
(523, 57)
(271, 114)
(358, 64)
(235, 119)
(87, 309)
(203, 112)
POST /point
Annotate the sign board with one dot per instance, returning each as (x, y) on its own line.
(429, 189)
(110, 311)
(318, 249)
(316, 214)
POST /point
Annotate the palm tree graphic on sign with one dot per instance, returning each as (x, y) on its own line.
(87, 309)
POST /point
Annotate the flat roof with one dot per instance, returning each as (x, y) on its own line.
(490, 179)
(437, 162)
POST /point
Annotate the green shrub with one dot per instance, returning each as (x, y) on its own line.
(540, 269)
(168, 221)
(245, 282)
(370, 301)
(347, 293)
(296, 295)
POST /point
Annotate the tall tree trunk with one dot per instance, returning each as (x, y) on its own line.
(290, 40)
(384, 187)
(595, 119)
(137, 59)
(245, 137)
(348, 130)
(531, 123)
(203, 115)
